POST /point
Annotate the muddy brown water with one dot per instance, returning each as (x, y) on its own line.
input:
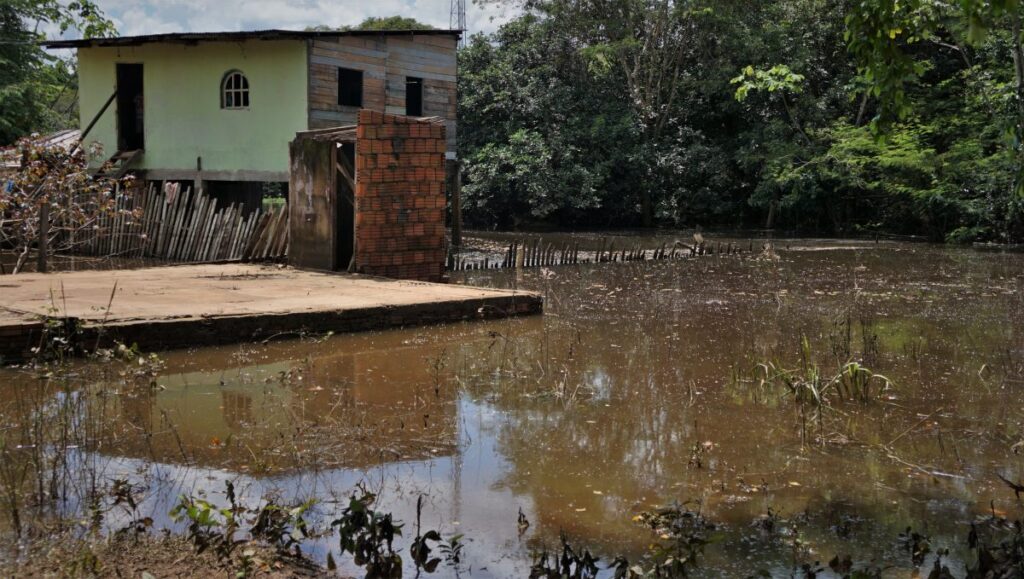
(632, 391)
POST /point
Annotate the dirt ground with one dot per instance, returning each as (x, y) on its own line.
(147, 557)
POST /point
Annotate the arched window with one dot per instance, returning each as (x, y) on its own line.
(234, 91)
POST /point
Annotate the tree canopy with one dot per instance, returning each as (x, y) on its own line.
(379, 23)
(36, 88)
(822, 116)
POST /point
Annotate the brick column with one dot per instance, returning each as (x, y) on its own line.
(400, 200)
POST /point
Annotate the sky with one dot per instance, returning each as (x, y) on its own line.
(133, 17)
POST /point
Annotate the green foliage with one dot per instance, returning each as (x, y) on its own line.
(369, 536)
(892, 45)
(210, 527)
(283, 527)
(222, 529)
(820, 116)
(776, 79)
(35, 87)
(378, 23)
(392, 23)
(538, 140)
(549, 131)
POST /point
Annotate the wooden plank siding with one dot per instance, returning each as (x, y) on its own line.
(386, 62)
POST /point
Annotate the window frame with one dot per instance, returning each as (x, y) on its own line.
(345, 76)
(237, 93)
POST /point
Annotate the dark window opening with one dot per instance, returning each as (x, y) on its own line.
(350, 87)
(413, 96)
(130, 106)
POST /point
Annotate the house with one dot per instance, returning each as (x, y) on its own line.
(218, 110)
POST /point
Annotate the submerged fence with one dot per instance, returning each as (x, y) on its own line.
(540, 254)
(181, 226)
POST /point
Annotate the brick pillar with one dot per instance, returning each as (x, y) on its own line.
(400, 204)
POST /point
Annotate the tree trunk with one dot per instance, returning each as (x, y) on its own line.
(1018, 71)
(862, 110)
(770, 222)
(646, 211)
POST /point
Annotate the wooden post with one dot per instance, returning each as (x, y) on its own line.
(44, 237)
(455, 184)
(197, 181)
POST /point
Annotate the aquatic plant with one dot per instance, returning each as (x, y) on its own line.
(998, 548)
(61, 410)
(421, 548)
(814, 391)
(569, 564)
(223, 530)
(282, 527)
(916, 544)
(123, 493)
(209, 526)
(682, 535)
(369, 536)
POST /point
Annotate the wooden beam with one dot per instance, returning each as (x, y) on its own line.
(92, 123)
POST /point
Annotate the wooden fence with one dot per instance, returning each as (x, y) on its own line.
(540, 254)
(181, 226)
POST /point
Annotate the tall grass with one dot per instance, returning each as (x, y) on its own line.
(814, 391)
(57, 413)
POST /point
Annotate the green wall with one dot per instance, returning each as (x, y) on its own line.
(183, 118)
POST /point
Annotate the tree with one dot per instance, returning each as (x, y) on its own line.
(647, 42)
(539, 137)
(51, 200)
(392, 23)
(659, 62)
(885, 38)
(32, 82)
(378, 23)
(682, 112)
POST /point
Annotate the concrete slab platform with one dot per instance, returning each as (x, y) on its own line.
(195, 305)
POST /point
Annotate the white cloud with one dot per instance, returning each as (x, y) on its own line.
(134, 17)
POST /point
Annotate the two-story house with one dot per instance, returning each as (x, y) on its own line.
(217, 110)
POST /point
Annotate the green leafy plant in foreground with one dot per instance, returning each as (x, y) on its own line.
(282, 527)
(369, 536)
(218, 528)
(210, 527)
(568, 564)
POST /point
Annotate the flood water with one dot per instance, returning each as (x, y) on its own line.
(636, 388)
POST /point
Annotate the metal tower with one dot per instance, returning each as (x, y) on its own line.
(457, 19)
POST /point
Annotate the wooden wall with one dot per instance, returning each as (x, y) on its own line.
(386, 61)
(312, 204)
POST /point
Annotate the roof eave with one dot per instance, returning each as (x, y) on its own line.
(192, 38)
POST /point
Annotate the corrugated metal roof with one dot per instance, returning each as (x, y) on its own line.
(273, 34)
(10, 157)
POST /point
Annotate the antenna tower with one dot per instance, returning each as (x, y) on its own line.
(457, 19)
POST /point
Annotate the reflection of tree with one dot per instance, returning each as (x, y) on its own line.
(651, 365)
